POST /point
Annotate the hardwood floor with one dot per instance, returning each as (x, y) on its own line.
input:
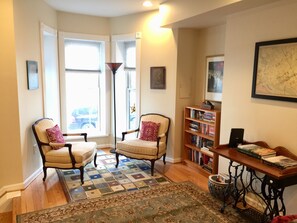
(39, 195)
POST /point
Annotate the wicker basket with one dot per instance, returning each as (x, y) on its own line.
(218, 188)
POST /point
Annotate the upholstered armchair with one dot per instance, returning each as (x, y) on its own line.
(57, 153)
(150, 142)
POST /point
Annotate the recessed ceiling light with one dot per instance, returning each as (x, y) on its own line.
(147, 4)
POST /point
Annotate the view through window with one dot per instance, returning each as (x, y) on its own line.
(83, 78)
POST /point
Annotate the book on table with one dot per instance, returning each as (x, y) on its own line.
(256, 151)
(282, 162)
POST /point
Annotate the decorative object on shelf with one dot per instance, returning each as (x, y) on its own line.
(274, 70)
(214, 78)
(32, 74)
(158, 77)
(207, 105)
(114, 67)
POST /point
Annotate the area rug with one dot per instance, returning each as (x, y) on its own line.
(174, 202)
(105, 179)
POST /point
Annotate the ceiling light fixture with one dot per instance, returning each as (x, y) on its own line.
(147, 4)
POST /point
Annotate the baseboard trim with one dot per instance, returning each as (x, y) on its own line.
(102, 146)
(32, 177)
(173, 160)
(14, 190)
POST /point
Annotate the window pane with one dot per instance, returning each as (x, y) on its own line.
(82, 101)
(82, 55)
(130, 56)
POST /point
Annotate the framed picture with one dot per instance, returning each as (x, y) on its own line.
(275, 70)
(214, 78)
(32, 74)
(158, 77)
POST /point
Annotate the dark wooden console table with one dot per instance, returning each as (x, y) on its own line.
(272, 179)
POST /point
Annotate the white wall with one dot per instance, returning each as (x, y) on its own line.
(28, 15)
(267, 120)
(158, 48)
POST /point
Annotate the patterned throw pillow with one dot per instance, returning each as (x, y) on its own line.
(54, 134)
(149, 131)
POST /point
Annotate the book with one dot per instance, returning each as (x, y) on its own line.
(256, 151)
(281, 162)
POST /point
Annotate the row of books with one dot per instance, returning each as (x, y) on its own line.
(256, 151)
(202, 128)
(201, 115)
(201, 159)
(267, 155)
(200, 141)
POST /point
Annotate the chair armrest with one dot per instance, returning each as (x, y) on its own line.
(128, 132)
(85, 135)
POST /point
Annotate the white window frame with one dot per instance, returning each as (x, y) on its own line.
(106, 114)
(124, 38)
(48, 101)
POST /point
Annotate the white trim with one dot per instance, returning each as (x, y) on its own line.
(32, 177)
(6, 201)
(137, 38)
(79, 36)
(14, 190)
(101, 146)
(173, 160)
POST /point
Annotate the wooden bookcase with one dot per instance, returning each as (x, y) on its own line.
(201, 131)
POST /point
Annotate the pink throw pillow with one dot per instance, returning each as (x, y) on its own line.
(149, 131)
(55, 135)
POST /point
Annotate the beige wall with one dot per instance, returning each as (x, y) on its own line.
(28, 15)
(186, 84)
(158, 48)
(10, 157)
(77, 23)
(271, 121)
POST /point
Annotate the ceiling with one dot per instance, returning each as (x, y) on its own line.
(104, 8)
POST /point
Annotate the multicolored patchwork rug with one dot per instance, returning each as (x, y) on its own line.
(106, 179)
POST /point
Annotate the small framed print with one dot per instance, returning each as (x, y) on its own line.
(32, 74)
(158, 77)
(214, 78)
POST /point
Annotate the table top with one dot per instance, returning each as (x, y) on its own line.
(257, 164)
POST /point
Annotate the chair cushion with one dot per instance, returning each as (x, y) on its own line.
(55, 135)
(149, 131)
(140, 149)
(81, 151)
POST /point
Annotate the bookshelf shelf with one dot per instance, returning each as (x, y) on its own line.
(201, 132)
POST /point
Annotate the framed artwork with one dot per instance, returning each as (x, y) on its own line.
(32, 74)
(158, 77)
(214, 78)
(275, 70)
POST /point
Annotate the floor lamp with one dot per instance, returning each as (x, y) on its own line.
(114, 67)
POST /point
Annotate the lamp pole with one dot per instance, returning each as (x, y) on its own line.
(114, 67)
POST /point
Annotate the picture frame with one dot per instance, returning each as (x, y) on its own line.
(32, 74)
(158, 78)
(214, 78)
(275, 67)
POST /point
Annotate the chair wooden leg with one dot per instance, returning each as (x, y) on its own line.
(95, 158)
(81, 174)
(44, 173)
(164, 157)
(117, 159)
(152, 167)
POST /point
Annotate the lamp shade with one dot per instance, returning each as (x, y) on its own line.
(114, 66)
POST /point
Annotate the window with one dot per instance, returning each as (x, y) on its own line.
(84, 95)
(126, 50)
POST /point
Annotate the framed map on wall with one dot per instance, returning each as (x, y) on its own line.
(275, 70)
